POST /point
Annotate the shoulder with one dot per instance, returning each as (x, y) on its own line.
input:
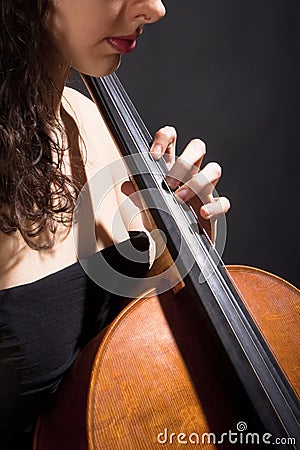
(75, 98)
(92, 128)
(80, 107)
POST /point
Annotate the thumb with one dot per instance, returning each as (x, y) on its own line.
(128, 189)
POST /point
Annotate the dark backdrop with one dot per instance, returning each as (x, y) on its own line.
(228, 71)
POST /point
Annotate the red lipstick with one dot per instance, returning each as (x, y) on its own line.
(122, 44)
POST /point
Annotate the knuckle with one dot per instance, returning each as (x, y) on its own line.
(169, 132)
(216, 169)
(200, 145)
(184, 164)
(227, 204)
(224, 204)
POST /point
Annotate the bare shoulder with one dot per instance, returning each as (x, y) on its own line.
(92, 127)
(105, 169)
(77, 103)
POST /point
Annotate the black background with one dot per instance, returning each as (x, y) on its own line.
(227, 71)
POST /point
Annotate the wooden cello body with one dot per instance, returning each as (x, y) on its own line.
(171, 371)
(156, 378)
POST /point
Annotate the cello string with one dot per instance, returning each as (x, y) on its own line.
(138, 124)
(146, 137)
(145, 155)
(161, 166)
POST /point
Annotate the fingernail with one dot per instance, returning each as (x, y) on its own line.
(156, 151)
(208, 211)
(182, 193)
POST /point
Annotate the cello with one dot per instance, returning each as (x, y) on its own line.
(207, 356)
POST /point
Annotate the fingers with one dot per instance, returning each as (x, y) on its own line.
(164, 144)
(201, 184)
(215, 208)
(187, 164)
(190, 185)
(198, 192)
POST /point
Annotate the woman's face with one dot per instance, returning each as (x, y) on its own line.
(91, 35)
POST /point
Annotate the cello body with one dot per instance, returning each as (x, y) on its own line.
(158, 377)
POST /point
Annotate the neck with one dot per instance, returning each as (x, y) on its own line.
(60, 71)
(60, 78)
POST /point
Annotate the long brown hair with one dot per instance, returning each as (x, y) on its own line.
(34, 193)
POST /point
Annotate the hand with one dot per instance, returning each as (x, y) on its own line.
(189, 183)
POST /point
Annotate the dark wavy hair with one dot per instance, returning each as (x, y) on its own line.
(34, 193)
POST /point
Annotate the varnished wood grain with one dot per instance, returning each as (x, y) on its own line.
(274, 305)
(159, 371)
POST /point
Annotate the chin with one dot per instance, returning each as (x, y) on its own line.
(106, 68)
(114, 67)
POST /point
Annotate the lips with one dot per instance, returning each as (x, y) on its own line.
(122, 45)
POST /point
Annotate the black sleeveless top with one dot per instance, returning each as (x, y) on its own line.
(43, 325)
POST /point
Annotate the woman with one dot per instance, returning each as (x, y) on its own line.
(53, 141)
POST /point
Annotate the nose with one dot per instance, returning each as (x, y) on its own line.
(149, 11)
